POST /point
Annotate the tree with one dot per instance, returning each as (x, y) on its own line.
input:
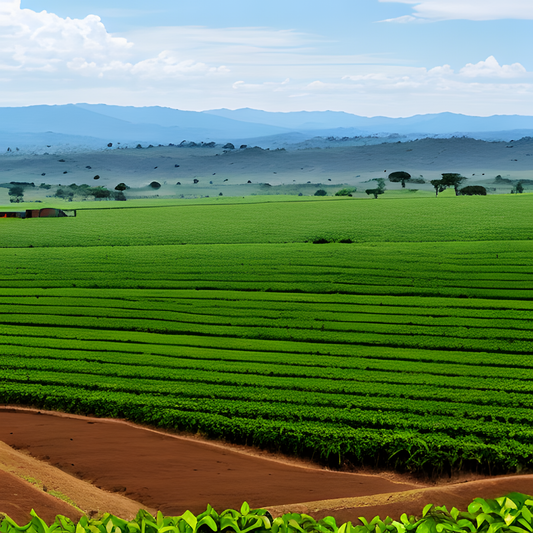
(121, 187)
(448, 180)
(16, 190)
(16, 194)
(375, 192)
(439, 186)
(99, 192)
(519, 187)
(155, 185)
(453, 180)
(380, 189)
(399, 176)
(321, 192)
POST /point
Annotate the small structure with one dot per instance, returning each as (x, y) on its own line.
(38, 213)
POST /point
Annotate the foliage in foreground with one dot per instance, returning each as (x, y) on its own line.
(508, 514)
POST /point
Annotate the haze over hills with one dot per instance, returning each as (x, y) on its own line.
(93, 126)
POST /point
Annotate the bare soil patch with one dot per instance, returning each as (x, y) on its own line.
(163, 471)
(173, 473)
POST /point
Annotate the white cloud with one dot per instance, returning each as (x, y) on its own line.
(490, 68)
(441, 77)
(44, 42)
(434, 10)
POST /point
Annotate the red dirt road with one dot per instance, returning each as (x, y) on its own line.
(174, 474)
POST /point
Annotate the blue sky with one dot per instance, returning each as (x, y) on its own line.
(369, 57)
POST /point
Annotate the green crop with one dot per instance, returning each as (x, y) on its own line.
(509, 514)
(411, 355)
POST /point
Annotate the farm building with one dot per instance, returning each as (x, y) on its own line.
(38, 213)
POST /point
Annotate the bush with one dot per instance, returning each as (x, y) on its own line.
(472, 190)
(155, 185)
(321, 192)
(119, 196)
(121, 187)
(347, 191)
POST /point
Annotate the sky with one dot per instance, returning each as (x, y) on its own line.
(367, 57)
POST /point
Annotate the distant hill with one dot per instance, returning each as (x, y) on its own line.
(96, 125)
(441, 123)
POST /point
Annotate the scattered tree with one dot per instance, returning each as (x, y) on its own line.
(400, 176)
(439, 186)
(380, 189)
(519, 188)
(321, 192)
(448, 180)
(99, 192)
(453, 180)
(16, 194)
(375, 192)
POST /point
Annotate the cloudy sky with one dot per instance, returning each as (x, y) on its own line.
(369, 57)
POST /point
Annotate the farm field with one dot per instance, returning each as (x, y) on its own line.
(409, 347)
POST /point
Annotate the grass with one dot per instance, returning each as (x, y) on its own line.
(460, 219)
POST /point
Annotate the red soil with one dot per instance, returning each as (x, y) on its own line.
(171, 473)
(18, 498)
(174, 473)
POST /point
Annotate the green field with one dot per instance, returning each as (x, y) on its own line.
(408, 348)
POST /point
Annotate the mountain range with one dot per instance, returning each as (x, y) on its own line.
(96, 125)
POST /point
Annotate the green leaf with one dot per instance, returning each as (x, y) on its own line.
(400, 528)
(330, 523)
(426, 509)
(245, 509)
(517, 529)
(229, 521)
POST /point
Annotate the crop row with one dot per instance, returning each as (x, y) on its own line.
(212, 383)
(296, 319)
(232, 348)
(301, 366)
(375, 334)
(333, 442)
(225, 304)
(487, 430)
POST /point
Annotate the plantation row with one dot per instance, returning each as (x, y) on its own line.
(412, 355)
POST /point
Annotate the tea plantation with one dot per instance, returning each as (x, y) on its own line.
(408, 345)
